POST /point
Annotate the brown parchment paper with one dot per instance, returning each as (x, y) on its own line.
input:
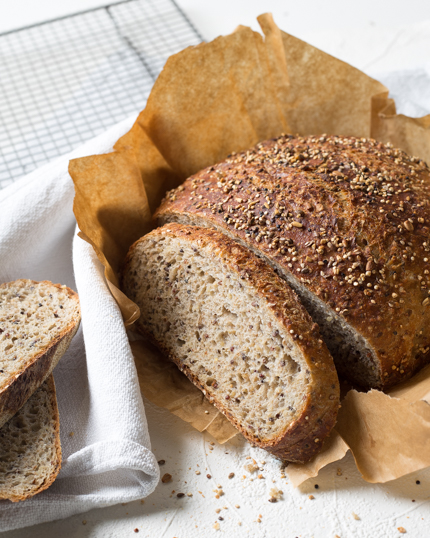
(209, 101)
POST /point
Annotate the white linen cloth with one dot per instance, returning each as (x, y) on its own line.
(107, 456)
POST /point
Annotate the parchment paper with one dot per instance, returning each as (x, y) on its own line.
(209, 101)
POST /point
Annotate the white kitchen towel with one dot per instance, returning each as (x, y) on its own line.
(107, 455)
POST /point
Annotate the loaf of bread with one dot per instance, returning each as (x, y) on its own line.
(239, 333)
(345, 222)
(30, 449)
(37, 323)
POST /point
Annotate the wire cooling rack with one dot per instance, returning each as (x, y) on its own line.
(65, 81)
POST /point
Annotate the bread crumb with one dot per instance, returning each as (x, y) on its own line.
(355, 516)
(236, 506)
(208, 476)
(276, 493)
(283, 476)
(339, 472)
(239, 523)
(189, 494)
(84, 522)
(402, 530)
(161, 462)
(142, 501)
(71, 434)
(251, 468)
(166, 478)
(311, 497)
(231, 475)
(218, 510)
(260, 476)
(197, 472)
(207, 412)
(136, 530)
(216, 526)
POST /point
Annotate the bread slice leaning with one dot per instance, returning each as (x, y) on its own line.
(239, 333)
(37, 323)
(30, 449)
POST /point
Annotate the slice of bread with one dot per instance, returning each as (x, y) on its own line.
(239, 333)
(37, 323)
(30, 449)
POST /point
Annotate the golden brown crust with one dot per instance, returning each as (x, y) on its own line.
(303, 438)
(31, 376)
(347, 218)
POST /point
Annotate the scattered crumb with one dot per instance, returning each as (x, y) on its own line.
(311, 497)
(197, 472)
(71, 434)
(166, 478)
(236, 506)
(231, 475)
(316, 486)
(180, 495)
(283, 475)
(275, 493)
(260, 476)
(402, 530)
(251, 468)
(207, 412)
(84, 522)
(212, 443)
(218, 493)
(189, 494)
(339, 472)
(248, 457)
(161, 462)
(216, 526)
(417, 482)
(136, 530)
(142, 501)
(354, 515)
(336, 536)
(218, 510)
(221, 518)
(273, 500)
(239, 523)
(208, 476)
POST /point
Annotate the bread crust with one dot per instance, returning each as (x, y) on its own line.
(303, 438)
(31, 376)
(345, 218)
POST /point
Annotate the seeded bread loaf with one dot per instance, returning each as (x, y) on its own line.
(30, 449)
(345, 222)
(239, 333)
(37, 323)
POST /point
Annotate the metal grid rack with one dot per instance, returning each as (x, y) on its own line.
(65, 81)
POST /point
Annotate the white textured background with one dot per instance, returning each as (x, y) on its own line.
(390, 40)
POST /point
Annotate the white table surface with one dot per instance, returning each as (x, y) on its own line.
(378, 37)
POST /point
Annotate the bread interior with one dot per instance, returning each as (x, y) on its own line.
(221, 333)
